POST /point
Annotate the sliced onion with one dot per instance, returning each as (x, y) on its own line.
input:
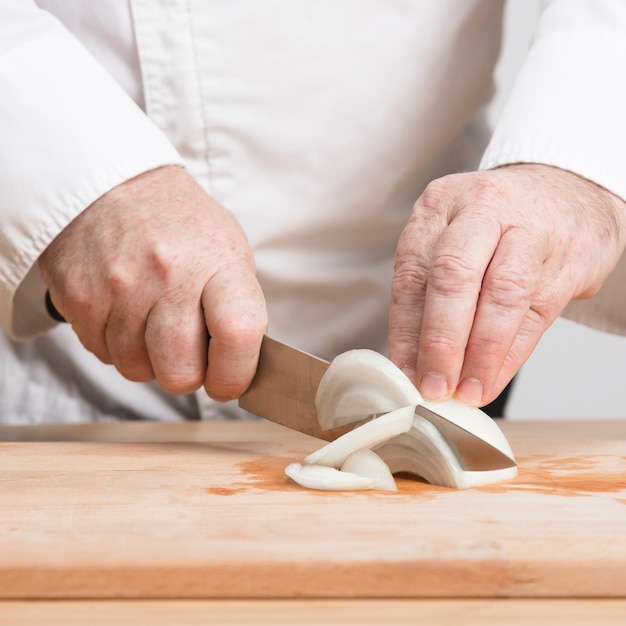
(326, 478)
(361, 382)
(368, 435)
(424, 452)
(367, 463)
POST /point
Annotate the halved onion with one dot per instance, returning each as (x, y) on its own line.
(363, 382)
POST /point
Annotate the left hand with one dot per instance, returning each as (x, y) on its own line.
(487, 261)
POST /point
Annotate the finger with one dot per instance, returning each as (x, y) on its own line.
(125, 336)
(454, 283)
(408, 290)
(235, 314)
(546, 305)
(528, 336)
(86, 315)
(509, 284)
(176, 340)
(408, 287)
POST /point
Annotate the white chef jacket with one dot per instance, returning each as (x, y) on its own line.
(317, 123)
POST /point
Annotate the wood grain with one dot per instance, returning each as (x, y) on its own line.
(314, 612)
(207, 512)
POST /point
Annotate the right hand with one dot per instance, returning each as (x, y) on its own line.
(148, 273)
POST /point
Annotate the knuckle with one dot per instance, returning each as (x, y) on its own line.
(77, 305)
(403, 349)
(452, 273)
(121, 280)
(509, 288)
(489, 348)
(223, 391)
(408, 282)
(135, 372)
(405, 338)
(99, 351)
(437, 193)
(181, 383)
(488, 189)
(444, 345)
(540, 315)
(240, 331)
(223, 387)
(164, 259)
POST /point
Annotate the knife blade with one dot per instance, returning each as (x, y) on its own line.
(284, 388)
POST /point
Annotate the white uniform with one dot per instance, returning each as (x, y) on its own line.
(317, 123)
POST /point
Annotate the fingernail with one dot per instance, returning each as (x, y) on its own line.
(470, 391)
(433, 387)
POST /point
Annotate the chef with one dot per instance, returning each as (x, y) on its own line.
(184, 176)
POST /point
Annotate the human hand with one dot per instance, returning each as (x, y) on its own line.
(487, 261)
(147, 272)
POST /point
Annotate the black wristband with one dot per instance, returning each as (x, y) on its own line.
(52, 310)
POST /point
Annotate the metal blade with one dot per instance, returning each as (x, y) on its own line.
(284, 387)
(474, 453)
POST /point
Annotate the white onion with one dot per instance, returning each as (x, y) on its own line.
(363, 382)
(369, 435)
(424, 452)
(326, 478)
(368, 464)
(359, 383)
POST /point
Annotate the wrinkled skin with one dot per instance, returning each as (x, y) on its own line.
(147, 272)
(486, 263)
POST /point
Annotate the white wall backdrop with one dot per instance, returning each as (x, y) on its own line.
(575, 372)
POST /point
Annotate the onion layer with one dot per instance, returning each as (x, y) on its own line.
(368, 435)
(359, 383)
(326, 478)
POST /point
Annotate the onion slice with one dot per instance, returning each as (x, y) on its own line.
(359, 383)
(368, 464)
(424, 452)
(368, 435)
(326, 478)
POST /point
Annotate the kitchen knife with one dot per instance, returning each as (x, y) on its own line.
(284, 388)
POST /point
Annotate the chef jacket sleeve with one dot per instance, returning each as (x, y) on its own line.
(68, 134)
(567, 108)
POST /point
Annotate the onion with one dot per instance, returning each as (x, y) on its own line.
(369, 435)
(367, 463)
(424, 452)
(359, 383)
(327, 478)
(364, 382)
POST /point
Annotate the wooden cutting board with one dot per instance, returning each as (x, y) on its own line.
(208, 512)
